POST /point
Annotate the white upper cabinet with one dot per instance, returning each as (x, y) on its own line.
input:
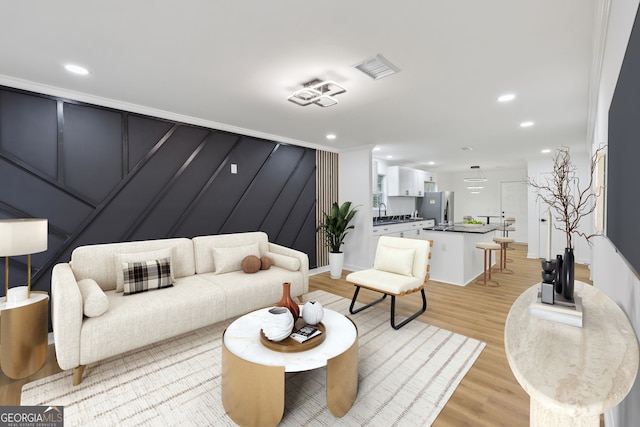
(404, 181)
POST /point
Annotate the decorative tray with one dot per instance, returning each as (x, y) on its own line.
(289, 345)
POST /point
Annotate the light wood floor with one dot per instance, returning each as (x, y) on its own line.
(489, 395)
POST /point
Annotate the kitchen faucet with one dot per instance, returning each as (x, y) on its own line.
(379, 208)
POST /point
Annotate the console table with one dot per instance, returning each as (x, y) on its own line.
(572, 374)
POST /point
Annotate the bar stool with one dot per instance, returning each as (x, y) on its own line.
(487, 247)
(504, 245)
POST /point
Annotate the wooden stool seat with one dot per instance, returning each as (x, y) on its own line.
(487, 247)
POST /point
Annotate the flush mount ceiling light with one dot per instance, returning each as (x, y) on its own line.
(331, 136)
(477, 176)
(377, 67)
(76, 69)
(526, 124)
(506, 97)
(317, 92)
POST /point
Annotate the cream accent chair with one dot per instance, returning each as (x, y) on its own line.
(401, 267)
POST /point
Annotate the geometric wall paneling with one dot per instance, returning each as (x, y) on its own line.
(102, 175)
(91, 150)
(29, 130)
(142, 134)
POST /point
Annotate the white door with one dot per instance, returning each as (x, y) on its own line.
(513, 203)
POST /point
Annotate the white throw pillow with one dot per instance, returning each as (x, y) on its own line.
(395, 260)
(230, 259)
(94, 301)
(139, 257)
(285, 261)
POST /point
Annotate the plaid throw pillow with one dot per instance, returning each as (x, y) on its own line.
(146, 275)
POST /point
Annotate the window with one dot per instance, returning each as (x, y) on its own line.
(379, 195)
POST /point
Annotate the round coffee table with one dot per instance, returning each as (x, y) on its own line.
(253, 376)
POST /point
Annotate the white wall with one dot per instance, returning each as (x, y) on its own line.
(354, 185)
(609, 270)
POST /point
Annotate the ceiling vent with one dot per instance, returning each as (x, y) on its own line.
(377, 67)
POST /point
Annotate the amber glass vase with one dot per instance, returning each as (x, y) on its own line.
(288, 302)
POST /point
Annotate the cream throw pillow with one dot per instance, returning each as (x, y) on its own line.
(94, 301)
(121, 259)
(284, 261)
(230, 259)
(395, 260)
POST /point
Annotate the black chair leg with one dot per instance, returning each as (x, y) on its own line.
(413, 316)
(353, 301)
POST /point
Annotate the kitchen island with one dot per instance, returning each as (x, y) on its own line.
(455, 258)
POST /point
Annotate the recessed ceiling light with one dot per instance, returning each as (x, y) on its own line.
(526, 124)
(545, 151)
(331, 136)
(506, 97)
(76, 69)
(431, 163)
(389, 157)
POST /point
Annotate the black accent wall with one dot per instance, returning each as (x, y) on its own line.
(623, 173)
(101, 175)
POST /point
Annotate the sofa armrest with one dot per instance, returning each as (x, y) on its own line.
(304, 261)
(66, 315)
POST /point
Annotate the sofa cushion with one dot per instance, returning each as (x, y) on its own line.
(246, 292)
(146, 275)
(230, 258)
(395, 260)
(97, 261)
(203, 246)
(122, 260)
(251, 264)
(94, 301)
(284, 261)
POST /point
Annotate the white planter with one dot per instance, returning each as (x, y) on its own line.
(336, 260)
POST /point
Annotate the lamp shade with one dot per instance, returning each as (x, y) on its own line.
(23, 236)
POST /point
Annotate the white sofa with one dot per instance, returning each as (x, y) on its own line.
(209, 286)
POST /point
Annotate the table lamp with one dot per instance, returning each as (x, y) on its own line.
(21, 237)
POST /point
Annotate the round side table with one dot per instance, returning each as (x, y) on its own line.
(23, 335)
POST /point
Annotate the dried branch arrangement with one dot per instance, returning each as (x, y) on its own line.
(566, 196)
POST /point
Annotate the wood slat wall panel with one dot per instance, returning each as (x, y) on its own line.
(326, 194)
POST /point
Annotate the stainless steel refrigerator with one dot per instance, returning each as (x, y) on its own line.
(437, 205)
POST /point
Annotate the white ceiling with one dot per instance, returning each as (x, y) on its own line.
(235, 62)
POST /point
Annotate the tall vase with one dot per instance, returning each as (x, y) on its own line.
(558, 288)
(288, 302)
(568, 271)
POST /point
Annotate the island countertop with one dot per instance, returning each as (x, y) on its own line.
(460, 228)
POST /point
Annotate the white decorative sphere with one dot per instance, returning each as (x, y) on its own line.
(277, 324)
(312, 312)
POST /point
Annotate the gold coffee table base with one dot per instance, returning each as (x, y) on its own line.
(253, 394)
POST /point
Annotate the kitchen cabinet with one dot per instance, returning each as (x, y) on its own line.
(409, 229)
(403, 181)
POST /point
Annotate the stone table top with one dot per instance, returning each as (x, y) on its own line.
(577, 371)
(242, 338)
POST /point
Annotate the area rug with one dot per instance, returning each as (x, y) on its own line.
(405, 378)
